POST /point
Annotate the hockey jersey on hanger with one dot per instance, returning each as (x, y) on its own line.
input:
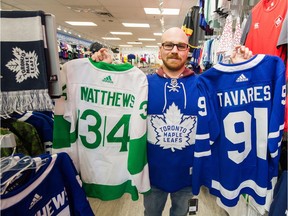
(248, 99)
(51, 188)
(101, 123)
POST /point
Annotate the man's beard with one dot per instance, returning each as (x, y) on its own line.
(173, 66)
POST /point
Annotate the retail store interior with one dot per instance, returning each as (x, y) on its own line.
(131, 30)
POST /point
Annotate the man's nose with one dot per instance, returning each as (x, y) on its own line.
(175, 48)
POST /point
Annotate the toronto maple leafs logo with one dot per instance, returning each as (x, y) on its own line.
(25, 65)
(172, 129)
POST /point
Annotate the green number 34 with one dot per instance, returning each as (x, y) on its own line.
(111, 136)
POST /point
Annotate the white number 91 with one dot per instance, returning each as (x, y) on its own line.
(260, 115)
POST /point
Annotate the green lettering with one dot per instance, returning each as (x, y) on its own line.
(117, 98)
(111, 96)
(84, 93)
(103, 96)
(90, 96)
(143, 108)
(126, 100)
(96, 91)
(132, 101)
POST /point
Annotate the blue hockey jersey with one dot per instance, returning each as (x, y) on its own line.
(248, 99)
(50, 189)
(172, 122)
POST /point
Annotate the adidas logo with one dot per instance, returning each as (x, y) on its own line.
(241, 78)
(35, 199)
(107, 79)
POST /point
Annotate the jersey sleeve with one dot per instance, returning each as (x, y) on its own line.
(78, 202)
(207, 132)
(64, 130)
(276, 123)
(137, 154)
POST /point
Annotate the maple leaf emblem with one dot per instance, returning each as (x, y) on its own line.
(173, 129)
(25, 64)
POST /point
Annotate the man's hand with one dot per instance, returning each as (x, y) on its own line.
(240, 54)
(102, 55)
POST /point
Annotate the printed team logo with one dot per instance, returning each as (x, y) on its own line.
(256, 26)
(173, 130)
(25, 65)
(278, 21)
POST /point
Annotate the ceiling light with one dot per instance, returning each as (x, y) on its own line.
(111, 38)
(143, 25)
(121, 33)
(165, 11)
(170, 11)
(134, 42)
(157, 34)
(152, 10)
(146, 39)
(81, 23)
(152, 46)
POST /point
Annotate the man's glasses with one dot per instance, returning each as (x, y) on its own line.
(170, 46)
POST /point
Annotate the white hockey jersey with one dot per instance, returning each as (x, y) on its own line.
(100, 121)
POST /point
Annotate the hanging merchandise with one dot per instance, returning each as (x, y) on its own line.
(263, 28)
(42, 123)
(239, 153)
(266, 32)
(229, 38)
(43, 185)
(28, 139)
(192, 27)
(187, 26)
(279, 205)
(30, 63)
(101, 122)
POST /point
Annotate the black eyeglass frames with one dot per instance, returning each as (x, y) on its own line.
(170, 46)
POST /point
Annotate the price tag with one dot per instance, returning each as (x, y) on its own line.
(193, 206)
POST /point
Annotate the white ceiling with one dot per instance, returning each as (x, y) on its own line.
(130, 11)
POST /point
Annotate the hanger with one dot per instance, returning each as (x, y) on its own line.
(7, 141)
(17, 173)
(14, 172)
(13, 166)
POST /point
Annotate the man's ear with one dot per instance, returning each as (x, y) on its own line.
(159, 55)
